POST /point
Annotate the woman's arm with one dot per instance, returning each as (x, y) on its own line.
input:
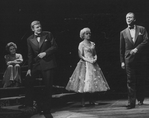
(85, 59)
(95, 54)
(95, 58)
(8, 62)
(19, 59)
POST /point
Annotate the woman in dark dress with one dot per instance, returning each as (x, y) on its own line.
(13, 60)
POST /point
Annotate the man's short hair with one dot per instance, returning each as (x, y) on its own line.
(132, 13)
(36, 22)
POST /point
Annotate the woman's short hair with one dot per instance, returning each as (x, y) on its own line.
(86, 29)
(34, 23)
(10, 44)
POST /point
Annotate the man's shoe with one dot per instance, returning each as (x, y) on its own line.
(22, 107)
(127, 105)
(130, 106)
(48, 115)
(45, 114)
(42, 116)
(140, 103)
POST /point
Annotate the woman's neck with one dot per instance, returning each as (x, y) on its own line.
(86, 41)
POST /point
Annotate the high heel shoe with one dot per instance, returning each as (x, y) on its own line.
(83, 103)
(82, 100)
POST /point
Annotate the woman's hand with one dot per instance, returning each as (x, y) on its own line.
(19, 60)
(95, 59)
(10, 62)
(88, 60)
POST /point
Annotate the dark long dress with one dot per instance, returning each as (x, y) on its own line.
(12, 75)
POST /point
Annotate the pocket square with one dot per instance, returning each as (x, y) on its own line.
(140, 33)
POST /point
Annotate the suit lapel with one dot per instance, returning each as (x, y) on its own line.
(136, 33)
(128, 35)
(42, 38)
(34, 41)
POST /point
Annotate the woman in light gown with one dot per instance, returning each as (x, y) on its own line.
(12, 75)
(87, 76)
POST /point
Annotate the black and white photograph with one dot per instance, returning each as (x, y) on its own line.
(74, 59)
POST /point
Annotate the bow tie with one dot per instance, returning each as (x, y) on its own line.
(38, 35)
(131, 27)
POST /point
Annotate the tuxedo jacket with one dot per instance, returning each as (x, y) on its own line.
(47, 44)
(127, 44)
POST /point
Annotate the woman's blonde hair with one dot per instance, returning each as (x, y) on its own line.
(86, 29)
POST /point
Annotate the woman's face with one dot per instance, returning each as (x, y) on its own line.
(12, 50)
(87, 35)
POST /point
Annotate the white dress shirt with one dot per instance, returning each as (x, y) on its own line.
(38, 39)
(132, 33)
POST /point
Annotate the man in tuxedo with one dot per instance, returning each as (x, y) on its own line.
(133, 44)
(41, 60)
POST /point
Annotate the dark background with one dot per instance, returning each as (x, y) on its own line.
(65, 19)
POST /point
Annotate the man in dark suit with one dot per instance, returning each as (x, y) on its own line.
(41, 60)
(133, 43)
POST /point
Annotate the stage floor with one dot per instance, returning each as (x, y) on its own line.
(105, 109)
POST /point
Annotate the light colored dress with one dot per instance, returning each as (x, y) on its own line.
(12, 75)
(87, 77)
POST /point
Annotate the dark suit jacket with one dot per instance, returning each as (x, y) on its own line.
(47, 44)
(126, 45)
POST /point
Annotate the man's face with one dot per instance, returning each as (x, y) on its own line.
(37, 29)
(130, 19)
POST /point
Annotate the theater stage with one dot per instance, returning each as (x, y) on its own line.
(105, 109)
(68, 106)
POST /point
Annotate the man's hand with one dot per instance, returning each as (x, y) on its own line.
(28, 73)
(41, 55)
(123, 65)
(133, 51)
